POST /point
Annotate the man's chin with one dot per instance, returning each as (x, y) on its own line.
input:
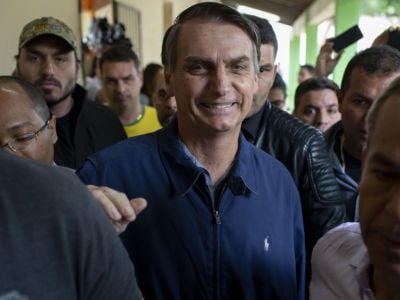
(51, 99)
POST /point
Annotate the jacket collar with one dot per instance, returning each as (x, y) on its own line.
(184, 173)
(332, 133)
(253, 124)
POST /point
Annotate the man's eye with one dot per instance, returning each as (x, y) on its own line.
(162, 94)
(332, 111)
(111, 82)
(310, 111)
(197, 69)
(33, 58)
(24, 138)
(264, 69)
(361, 102)
(61, 59)
(239, 67)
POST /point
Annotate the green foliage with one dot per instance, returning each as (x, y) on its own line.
(381, 7)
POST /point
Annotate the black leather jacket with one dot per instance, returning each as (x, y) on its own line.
(302, 149)
(348, 186)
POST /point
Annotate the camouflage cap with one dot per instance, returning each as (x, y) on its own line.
(47, 25)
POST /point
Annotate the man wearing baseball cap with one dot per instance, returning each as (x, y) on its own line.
(47, 57)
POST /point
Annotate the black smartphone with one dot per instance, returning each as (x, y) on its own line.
(394, 39)
(345, 39)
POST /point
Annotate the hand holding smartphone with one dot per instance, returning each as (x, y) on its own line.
(345, 39)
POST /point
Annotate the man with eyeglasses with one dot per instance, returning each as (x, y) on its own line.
(26, 126)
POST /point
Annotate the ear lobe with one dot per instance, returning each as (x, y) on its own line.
(78, 66)
(276, 66)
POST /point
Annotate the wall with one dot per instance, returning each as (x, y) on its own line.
(153, 25)
(16, 13)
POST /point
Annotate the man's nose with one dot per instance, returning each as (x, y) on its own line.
(48, 67)
(321, 118)
(171, 103)
(220, 82)
(120, 86)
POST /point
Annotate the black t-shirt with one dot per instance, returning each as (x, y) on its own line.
(64, 149)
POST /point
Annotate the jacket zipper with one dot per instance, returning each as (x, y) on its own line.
(216, 217)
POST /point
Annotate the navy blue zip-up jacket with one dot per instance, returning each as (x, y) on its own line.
(250, 247)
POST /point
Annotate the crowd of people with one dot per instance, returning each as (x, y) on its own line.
(207, 188)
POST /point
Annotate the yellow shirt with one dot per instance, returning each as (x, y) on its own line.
(146, 123)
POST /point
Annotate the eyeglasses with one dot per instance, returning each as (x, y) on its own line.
(22, 142)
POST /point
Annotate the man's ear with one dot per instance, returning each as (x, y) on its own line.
(78, 66)
(275, 70)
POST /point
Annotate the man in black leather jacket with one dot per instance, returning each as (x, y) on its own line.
(366, 75)
(300, 147)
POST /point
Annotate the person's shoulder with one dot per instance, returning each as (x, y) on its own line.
(339, 246)
(150, 114)
(263, 162)
(285, 125)
(150, 109)
(48, 186)
(338, 261)
(131, 148)
(94, 107)
(104, 120)
(23, 167)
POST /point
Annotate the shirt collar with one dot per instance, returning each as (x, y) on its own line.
(184, 170)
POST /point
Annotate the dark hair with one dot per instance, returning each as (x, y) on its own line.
(380, 59)
(149, 72)
(206, 11)
(38, 102)
(267, 33)
(279, 83)
(313, 84)
(309, 68)
(393, 89)
(120, 54)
